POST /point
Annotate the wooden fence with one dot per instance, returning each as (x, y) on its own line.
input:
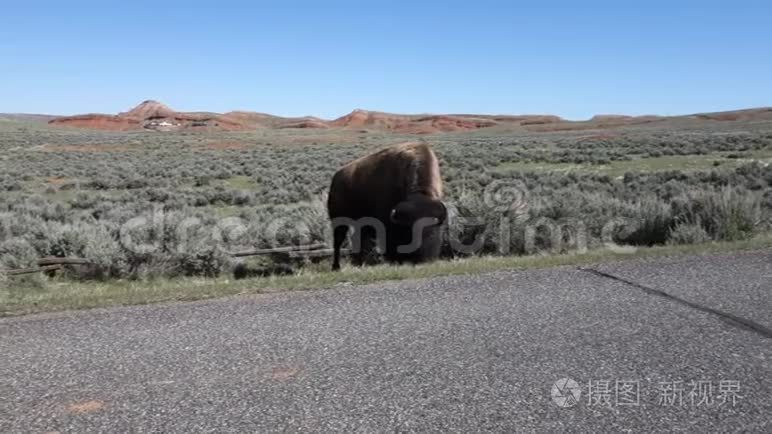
(281, 254)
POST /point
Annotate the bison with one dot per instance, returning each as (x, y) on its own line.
(391, 198)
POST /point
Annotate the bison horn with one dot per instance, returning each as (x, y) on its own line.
(392, 216)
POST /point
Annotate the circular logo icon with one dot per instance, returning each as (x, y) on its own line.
(566, 392)
(503, 196)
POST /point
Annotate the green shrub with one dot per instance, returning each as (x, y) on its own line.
(688, 233)
(727, 214)
(653, 221)
(15, 254)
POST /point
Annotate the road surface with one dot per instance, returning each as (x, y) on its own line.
(666, 344)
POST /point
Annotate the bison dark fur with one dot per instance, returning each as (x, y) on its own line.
(391, 198)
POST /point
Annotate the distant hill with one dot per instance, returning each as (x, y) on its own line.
(154, 115)
(613, 121)
(25, 117)
(738, 115)
(415, 124)
(151, 115)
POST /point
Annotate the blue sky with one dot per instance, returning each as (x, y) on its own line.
(574, 59)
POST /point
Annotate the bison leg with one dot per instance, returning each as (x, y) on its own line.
(363, 246)
(424, 249)
(339, 236)
(396, 236)
(431, 245)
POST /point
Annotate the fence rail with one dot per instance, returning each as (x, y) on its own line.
(63, 261)
(310, 251)
(287, 249)
(34, 270)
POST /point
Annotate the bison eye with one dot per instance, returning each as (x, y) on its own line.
(393, 216)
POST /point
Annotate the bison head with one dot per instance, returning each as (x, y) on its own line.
(416, 207)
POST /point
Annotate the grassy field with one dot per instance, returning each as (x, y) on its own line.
(186, 199)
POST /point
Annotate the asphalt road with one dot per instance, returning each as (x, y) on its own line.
(459, 354)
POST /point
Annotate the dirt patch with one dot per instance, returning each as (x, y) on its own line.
(85, 407)
(284, 373)
(58, 180)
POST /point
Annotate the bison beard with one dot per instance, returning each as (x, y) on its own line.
(392, 199)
